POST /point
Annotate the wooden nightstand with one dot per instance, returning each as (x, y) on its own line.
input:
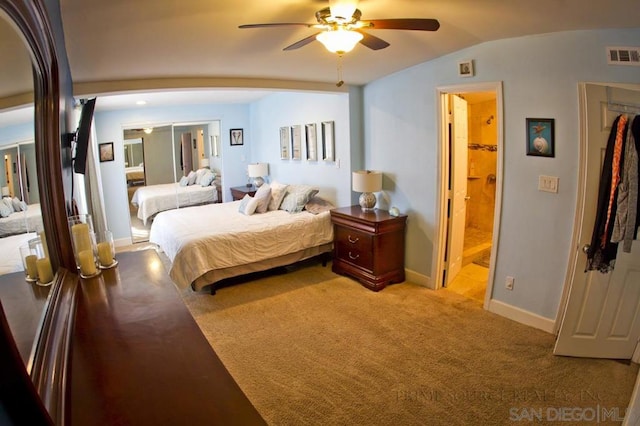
(368, 246)
(238, 192)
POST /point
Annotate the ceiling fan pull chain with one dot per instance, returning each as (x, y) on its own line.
(340, 81)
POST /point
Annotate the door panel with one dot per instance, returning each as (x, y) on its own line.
(601, 315)
(458, 215)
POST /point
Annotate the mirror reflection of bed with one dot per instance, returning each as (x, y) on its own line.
(158, 162)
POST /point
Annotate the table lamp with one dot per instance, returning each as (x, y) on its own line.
(367, 182)
(5, 191)
(204, 163)
(257, 171)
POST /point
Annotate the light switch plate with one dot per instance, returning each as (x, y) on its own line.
(548, 183)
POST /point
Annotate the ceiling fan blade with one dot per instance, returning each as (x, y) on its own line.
(402, 24)
(302, 42)
(277, 24)
(373, 42)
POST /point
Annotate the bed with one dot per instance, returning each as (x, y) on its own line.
(206, 244)
(10, 261)
(21, 222)
(134, 174)
(153, 199)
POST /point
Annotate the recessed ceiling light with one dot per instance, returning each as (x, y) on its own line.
(141, 102)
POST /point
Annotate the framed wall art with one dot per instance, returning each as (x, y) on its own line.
(284, 142)
(311, 135)
(328, 143)
(540, 137)
(106, 151)
(296, 142)
(236, 136)
(465, 68)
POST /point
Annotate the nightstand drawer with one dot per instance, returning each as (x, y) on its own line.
(354, 247)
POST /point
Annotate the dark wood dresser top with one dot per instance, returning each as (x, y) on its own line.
(139, 358)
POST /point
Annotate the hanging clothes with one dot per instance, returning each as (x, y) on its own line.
(602, 252)
(624, 228)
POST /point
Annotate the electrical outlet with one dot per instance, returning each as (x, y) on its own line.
(508, 284)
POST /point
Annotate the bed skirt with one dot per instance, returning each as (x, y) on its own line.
(216, 275)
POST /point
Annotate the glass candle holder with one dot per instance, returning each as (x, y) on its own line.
(43, 264)
(84, 245)
(29, 258)
(106, 250)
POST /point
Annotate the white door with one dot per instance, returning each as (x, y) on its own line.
(601, 318)
(458, 192)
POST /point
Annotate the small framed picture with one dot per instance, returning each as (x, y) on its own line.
(540, 137)
(106, 151)
(465, 68)
(236, 137)
(285, 135)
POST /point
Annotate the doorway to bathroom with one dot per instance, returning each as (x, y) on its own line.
(471, 138)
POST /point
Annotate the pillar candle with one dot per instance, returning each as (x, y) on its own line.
(32, 268)
(45, 273)
(43, 238)
(81, 238)
(104, 254)
(87, 262)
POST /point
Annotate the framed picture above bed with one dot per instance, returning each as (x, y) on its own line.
(328, 143)
(311, 135)
(284, 143)
(106, 151)
(296, 142)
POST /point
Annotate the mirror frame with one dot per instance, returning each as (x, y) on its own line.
(32, 23)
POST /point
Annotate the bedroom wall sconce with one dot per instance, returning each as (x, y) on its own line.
(257, 171)
(367, 182)
(204, 163)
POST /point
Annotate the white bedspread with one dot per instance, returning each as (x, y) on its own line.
(21, 222)
(157, 198)
(10, 261)
(214, 236)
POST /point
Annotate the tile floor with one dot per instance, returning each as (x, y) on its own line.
(472, 280)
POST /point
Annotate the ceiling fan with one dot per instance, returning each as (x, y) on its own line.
(341, 27)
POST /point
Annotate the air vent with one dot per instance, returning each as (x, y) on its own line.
(623, 56)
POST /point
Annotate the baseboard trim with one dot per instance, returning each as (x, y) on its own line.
(121, 242)
(417, 278)
(522, 316)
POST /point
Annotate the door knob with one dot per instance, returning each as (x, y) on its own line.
(585, 248)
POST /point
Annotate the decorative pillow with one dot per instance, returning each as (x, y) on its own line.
(248, 205)
(278, 191)
(184, 181)
(207, 179)
(17, 204)
(4, 210)
(297, 196)
(199, 175)
(318, 205)
(9, 203)
(191, 177)
(23, 206)
(263, 195)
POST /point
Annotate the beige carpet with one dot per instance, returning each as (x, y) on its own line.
(312, 348)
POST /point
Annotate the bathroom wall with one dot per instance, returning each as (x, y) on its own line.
(481, 185)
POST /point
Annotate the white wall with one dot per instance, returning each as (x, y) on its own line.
(109, 125)
(292, 108)
(540, 76)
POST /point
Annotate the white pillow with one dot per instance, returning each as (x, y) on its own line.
(297, 196)
(9, 203)
(191, 177)
(184, 181)
(207, 179)
(278, 191)
(248, 205)
(4, 210)
(263, 195)
(199, 175)
(17, 204)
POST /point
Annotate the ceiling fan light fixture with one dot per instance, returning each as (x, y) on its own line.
(148, 130)
(339, 40)
(343, 9)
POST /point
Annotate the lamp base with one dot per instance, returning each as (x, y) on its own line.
(367, 201)
(258, 182)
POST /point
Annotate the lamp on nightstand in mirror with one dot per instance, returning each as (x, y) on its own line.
(257, 171)
(367, 182)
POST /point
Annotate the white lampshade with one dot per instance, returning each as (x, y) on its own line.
(204, 162)
(367, 181)
(5, 191)
(258, 170)
(340, 40)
